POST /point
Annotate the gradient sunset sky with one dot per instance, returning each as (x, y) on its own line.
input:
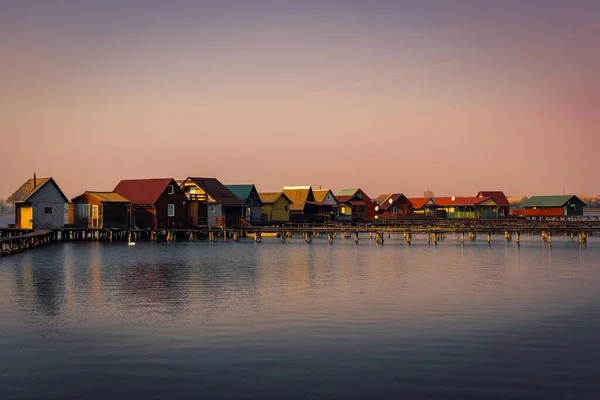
(389, 96)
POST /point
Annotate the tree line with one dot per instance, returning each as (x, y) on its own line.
(6, 208)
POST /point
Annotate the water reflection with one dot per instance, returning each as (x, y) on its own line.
(41, 285)
(163, 284)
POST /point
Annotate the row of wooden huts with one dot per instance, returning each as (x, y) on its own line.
(197, 201)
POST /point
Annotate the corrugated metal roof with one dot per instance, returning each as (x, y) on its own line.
(143, 191)
(217, 191)
(549, 201)
(28, 189)
(419, 202)
(358, 203)
(105, 197)
(272, 197)
(241, 191)
(498, 196)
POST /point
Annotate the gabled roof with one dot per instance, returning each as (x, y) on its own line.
(242, 191)
(29, 188)
(348, 192)
(498, 196)
(420, 202)
(143, 191)
(298, 195)
(473, 201)
(549, 201)
(382, 198)
(394, 197)
(104, 197)
(219, 192)
(272, 197)
(321, 194)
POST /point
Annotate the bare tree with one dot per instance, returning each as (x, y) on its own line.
(428, 193)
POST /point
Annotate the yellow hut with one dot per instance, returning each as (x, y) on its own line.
(276, 207)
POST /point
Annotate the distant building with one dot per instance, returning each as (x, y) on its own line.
(275, 207)
(565, 206)
(155, 203)
(360, 204)
(328, 206)
(304, 208)
(393, 206)
(472, 207)
(249, 195)
(102, 210)
(500, 199)
(423, 206)
(39, 203)
(212, 204)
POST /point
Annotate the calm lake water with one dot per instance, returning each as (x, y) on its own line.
(280, 321)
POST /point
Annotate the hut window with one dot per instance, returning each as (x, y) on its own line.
(171, 189)
(48, 210)
(171, 210)
(394, 210)
(82, 210)
(328, 197)
(286, 208)
(212, 209)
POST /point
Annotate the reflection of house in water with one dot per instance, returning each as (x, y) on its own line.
(43, 285)
(158, 283)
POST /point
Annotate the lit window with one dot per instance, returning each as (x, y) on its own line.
(171, 210)
(171, 189)
(48, 210)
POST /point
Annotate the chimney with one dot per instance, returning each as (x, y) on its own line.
(34, 181)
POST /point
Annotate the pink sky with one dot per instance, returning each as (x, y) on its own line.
(390, 97)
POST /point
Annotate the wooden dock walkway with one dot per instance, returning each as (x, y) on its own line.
(14, 241)
(18, 243)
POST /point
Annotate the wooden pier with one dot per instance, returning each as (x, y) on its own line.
(14, 241)
(12, 244)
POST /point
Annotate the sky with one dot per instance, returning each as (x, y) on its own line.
(389, 96)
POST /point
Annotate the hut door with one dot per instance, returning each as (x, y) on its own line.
(94, 216)
(26, 220)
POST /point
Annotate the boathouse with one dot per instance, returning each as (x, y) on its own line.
(39, 203)
(393, 206)
(542, 207)
(275, 207)
(155, 203)
(361, 205)
(304, 208)
(212, 204)
(471, 208)
(328, 206)
(500, 199)
(423, 206)
(249, 195)
(102, 210)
